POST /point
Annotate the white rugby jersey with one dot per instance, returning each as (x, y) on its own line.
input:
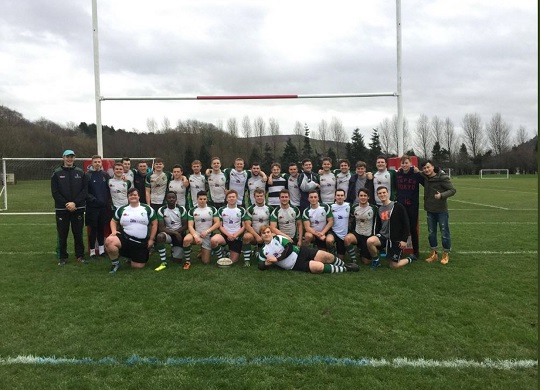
(118, 189)
(341, 213)
(177, 186)
(317, 217)
(328, 187)
(286, 219)
(135, 220)
(232, 218)
(275, 248)
(172, 217)
(203, 218)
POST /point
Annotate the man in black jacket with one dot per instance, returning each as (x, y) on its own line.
(69, 187)
(393, 233)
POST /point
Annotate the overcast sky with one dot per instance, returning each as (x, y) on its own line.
(459, 57)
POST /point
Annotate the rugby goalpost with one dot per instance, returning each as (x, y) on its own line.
(99, 99)
(494, 173)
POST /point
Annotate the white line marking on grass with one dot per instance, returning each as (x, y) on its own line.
(498, 189)
(481, 204)
(490, 210)
(497, 252)
(27, 224)
(498, 364)
(494, 223)
(25, 253)
(27, 213)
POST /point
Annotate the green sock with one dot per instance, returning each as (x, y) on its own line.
(352, 253)
(187, 253)
(338, 262)
(162, 253)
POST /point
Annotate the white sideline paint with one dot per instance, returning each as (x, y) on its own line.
(496, 252)
(494, 223)
(37, 213)
(480, 204)
(497, 364)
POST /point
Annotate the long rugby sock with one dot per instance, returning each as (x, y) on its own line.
(219, 252)
(162, 253)
(338, 262)
(351, 250)
(187, 253)
(246, 249)
(332, 269)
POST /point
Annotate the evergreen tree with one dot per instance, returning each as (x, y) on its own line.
(439, 155)
(268, 158)
(374, 150)
(356, 149)
(254, 157)
(205, 157)
(330, 153)
(307, 151)
(290, 154)
(188, 159)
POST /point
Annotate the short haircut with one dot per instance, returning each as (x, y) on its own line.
(276, 164)
(313, 192)
(238, 159)
(360, 164)
(142, 162)
(231, 192)
(381, 157)
(171, 192)
(264, 227)
(405, 157)
(96, 156)
(178, 166)
(201, 193)
(327, 159)
(342, 190)
(118, 164)
(293, 164)
(382, 188)
(284, 191)
(306, 160)
(344, 160)
(158, 160)
(215, 158)
(132, 189)
(258, 191)
(256, 164)
(196, 162)
(125, 159)
(426, 162)
(364, 190)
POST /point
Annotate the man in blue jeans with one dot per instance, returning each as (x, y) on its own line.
(437, 189)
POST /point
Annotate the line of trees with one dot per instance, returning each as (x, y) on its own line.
(489, 145)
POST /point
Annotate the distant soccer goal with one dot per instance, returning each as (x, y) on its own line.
(494, 174)
(26, 182)
(448, 171)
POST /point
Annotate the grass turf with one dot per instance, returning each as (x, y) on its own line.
(482, 305)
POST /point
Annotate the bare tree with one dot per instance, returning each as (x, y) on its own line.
(299, 133)
(450, 138)
(151, 125)
(424, 136)
(395, 140)
(322, 133)
(473, 134)
(385, 135)
(165, 125)
(246, 129)
(273, 125)
(522, 135)
(437, 128)
(232, 127)
(498, 134)
(337, 133)
(219, 124)
(259, 128)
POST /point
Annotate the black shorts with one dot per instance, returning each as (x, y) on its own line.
(340, 244)
(393, 251)
(361, 244)
(133, 248)
(217, 205)
(173, 240)
(234, 246)
(305, 255)
(321, 244)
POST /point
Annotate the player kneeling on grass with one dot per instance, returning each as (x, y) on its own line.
(172, 223)
(281, 252)
(393, 233)
(231, 229)
(133, 231)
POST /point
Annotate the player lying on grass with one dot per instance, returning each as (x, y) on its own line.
(281, 252)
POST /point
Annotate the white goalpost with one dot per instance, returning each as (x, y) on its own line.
(99, 99)
(494, 174)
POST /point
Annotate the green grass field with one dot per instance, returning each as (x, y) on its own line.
(472, 324)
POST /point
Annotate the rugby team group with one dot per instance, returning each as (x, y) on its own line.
(302, 220)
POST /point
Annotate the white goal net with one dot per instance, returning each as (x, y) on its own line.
(494, 173)
(26, 182)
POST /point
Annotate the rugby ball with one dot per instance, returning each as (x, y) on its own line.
(224, 262)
